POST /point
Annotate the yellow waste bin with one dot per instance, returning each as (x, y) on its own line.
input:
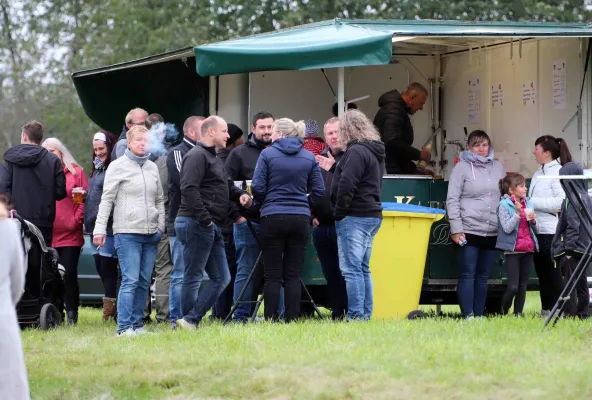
(398, 258)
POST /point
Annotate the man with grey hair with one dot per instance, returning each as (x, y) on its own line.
(206, 191)
(396, 131)
(136, 116)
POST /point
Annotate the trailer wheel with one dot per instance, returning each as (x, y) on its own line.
(49, 317)
(416, 314)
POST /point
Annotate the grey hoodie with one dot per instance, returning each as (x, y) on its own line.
(571, 237)
(473, 195)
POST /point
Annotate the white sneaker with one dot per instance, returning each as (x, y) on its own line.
(186, 326)
(141, 331)
(127, 332)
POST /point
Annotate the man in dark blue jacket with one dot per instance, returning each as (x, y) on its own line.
(33, 180)
(191, 132)
(324, 236)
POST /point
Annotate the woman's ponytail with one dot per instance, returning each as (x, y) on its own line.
(564, 154)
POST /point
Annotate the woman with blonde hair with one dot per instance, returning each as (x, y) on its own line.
(284, 174)
(355, 193)
(132, 190)
(68, 237)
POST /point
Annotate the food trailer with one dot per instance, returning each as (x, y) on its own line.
(516, 81)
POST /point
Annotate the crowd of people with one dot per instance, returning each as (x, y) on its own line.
(181, 213)
(176, 214)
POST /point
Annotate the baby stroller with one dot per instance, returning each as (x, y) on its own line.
(42, 302)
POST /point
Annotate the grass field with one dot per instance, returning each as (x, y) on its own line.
(436, 358)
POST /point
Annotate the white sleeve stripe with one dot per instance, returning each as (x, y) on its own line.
(178, 160)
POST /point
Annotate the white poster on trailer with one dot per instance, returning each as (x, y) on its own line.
(497, 96)
(560, 84)
(474, 100)
(529, 94)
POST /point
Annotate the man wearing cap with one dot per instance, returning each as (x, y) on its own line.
(312, 141)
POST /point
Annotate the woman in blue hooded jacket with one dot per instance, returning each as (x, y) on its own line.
(284, 174)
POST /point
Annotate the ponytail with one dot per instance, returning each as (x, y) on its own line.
(564, 154)
(556, 146)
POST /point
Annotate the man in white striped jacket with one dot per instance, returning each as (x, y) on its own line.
(191, 132)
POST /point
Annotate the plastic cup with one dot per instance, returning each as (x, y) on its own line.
(78, 195)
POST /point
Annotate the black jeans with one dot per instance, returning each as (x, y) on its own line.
(283, 240)
(549, 274)
(107, 270)
(69, 259)
(579, 300)
(518, 272)
(325, 242)
(224, 303)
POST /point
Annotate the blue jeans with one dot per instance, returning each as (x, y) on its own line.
(325, 242)
(475, 264)
(354, 238)
(137, 254)
(203, 250)
(176, 278)
(247, 251)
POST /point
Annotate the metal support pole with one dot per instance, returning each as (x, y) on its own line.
(340, 91)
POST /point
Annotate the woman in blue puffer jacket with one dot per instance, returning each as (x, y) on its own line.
(284, 174)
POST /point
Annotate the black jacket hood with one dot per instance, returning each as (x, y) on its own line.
(25, 155)
(391, 97)
(376, 147)
(572, 168)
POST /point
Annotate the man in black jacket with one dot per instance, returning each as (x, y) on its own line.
(191, 132)
(240, 166)
(226, 299)
(324, 236)
(206, 191)
(134, 117)
(33, 180)
(396, 131)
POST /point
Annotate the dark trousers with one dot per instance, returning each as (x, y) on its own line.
(69, 259)
(579, 300)
(224, 303)
(284, 243)
(325, 242)
(107, 270)
(518, 272)
(549, 274)
(47, 232)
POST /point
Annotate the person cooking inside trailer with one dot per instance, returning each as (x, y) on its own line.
(396, 131)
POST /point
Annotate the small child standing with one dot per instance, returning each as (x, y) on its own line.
(516, 237)
(571, 241)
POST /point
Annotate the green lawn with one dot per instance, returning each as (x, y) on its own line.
(436, 358)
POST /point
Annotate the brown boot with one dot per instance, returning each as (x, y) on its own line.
(109, 308)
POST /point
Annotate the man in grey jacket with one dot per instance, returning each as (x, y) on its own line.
(134, 117)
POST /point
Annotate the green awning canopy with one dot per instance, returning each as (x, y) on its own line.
(346, 43)
(319, 46)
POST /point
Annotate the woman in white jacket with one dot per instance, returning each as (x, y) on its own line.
(13, 374)
(546, 197)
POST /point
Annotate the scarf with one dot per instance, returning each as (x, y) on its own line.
(473, 158)
(133, 157)
(98, 163)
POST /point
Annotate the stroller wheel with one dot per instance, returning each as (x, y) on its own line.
(50, 317)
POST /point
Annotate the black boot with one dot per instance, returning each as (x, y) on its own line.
(72, 317)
